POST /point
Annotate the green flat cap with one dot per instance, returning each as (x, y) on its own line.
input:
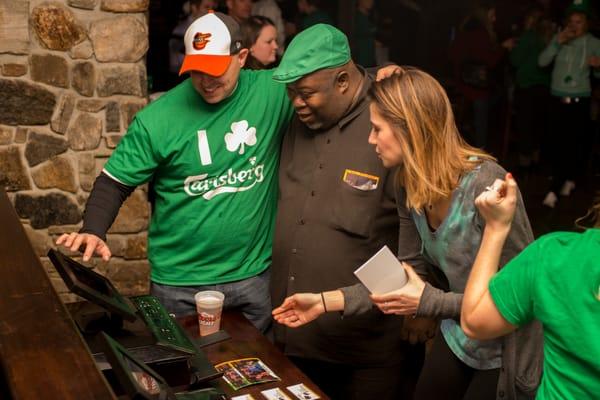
(320, 46)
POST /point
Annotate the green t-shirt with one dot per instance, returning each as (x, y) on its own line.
(556, 280)
(524, 57)
(214, 171)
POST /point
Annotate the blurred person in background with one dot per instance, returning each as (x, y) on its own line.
(259, 34)
(363, 36)
(240, 10)
(575, 53)
(271, 10)
(475, 55)
(312, 14)
(532, 83)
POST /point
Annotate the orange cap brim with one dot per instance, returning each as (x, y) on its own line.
(210, 64)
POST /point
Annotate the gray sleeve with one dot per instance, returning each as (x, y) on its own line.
(356, 300)
(409, 240)
(435, 303)
(547, 55)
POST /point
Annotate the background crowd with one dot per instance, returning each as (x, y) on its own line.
(495, 59)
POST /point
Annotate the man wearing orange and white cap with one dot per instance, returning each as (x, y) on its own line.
(211, 148)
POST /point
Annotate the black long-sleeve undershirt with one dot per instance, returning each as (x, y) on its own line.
(103, 205)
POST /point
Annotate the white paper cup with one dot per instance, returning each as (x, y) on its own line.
(209, 305)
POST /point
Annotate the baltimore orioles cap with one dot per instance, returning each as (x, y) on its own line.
(210, 43)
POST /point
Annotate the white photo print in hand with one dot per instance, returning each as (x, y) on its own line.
(382, 273)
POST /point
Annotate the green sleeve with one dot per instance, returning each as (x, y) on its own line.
(134, 160)
(513, 288)
(283, 103)
(548, 54)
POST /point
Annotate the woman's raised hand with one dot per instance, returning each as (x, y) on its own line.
(497, 204)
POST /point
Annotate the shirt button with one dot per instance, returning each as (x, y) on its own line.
(294, 251)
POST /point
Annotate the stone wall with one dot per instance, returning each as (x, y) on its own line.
(72, 75)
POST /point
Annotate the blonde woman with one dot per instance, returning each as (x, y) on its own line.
(438, 178)
(555, 280)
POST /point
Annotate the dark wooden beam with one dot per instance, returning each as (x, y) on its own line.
(42, 354)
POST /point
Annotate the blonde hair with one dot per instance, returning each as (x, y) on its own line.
(434, 154)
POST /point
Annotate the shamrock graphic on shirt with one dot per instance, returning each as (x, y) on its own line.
(240, 136)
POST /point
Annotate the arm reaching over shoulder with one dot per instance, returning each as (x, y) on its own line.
(387, 71)
(302, 308)
(480, 318)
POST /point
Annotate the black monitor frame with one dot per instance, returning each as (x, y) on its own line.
(121, 361)
(75, 277)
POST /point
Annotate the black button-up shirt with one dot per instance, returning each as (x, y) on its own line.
(326, 228)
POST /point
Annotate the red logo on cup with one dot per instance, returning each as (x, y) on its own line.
(206, 319)
(201, 40)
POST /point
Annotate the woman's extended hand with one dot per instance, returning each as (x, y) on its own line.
(299, 309)
(404, 301)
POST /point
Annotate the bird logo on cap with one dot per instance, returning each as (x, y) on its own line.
(201, 40)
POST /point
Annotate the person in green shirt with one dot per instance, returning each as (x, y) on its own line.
(555, 280)
(532, 82)
(210, 147)
(576, 54)
(363, 46)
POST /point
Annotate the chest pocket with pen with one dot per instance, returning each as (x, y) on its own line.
(356, 203)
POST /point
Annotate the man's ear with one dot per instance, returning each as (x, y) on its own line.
(242, 57)
(342, 81)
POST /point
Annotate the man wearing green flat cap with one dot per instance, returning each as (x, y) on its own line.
(336, 209)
